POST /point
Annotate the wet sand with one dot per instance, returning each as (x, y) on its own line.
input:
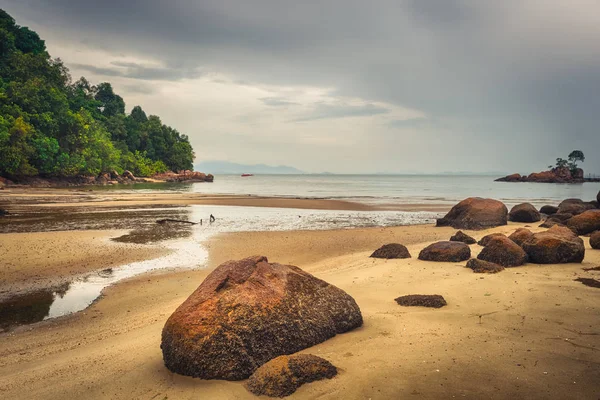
(527, 332)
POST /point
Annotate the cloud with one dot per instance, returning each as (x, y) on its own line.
(141, 71)
(325, 111)
(277, 101)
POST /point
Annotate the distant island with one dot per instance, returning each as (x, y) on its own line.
(57, 130)
(226, 167)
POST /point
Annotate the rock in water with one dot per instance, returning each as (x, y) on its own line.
(460, 236)
(503, 251)
(446, 251)
(422, 300)
(595, 240)
(486, 239)
(524, 212)
(555, 246)
(484, 267)
(549, 210)
(281, 376)
(586, 222)
(249, 311)
(520, 236)
(475, 213)
(392, 250)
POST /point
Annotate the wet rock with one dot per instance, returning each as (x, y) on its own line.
(422, 300)
(247, 312)
(503, 251)
(282, 375)
(392, 250)
(475, 213)
(574, 206)
(595, 240)
(524, 212)
(584, 223)
(446, 251)
(460, 236)
(486, 239)
(549, 210)
(484, 267)
(557, 245)
(511, 178)
(520, 236)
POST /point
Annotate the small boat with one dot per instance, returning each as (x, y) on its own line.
(245, 175)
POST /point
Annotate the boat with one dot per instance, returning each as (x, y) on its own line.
(245, 175)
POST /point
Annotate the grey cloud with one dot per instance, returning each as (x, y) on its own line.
(142, 72)
(326, 111)
(277, 101)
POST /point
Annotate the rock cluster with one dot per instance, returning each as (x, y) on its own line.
(185, 176)
(555, 175)
(475, 213)
(391, 250)
(520, 236)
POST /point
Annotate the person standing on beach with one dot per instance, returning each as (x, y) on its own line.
(212, 218)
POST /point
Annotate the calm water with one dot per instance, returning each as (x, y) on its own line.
(392, 189)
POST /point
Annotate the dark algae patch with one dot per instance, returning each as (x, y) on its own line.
(422, 300)
(589, 282)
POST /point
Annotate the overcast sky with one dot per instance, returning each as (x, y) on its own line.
(347, 86)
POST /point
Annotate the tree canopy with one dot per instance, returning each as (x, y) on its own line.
(50, 126)
(571, 162)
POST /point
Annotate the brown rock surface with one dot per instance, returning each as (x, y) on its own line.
(422, 300)
(484, 267)
(249, 311)
(555, 246)
(549, 210)
(524, 212)
(283, 375)
(460, 236)
(595, 240)
(574, 206)
(520, 236)
(586, 222)
(446, 251)
(503, 251)
(486, 239)
(475, 213)
(391, 250)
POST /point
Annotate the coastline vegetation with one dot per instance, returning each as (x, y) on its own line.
(53, 127)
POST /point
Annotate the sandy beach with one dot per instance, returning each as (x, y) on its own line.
(527, 332)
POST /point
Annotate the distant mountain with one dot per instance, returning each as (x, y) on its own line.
(226, 167)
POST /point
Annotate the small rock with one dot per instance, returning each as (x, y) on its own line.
(595, 240)
(460, 236)
(503, 251)
(446, 251)
(484, 267)
(392, 250)
(422, 300)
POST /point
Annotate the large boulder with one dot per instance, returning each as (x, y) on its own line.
(503, 251)
(574, 206)
(460, 236)
(281, 376)
(510, 178)
(475, 213)
(524, 212)
(484, 267)
(391, 250)
(486, 239)
(249, 311)
(520, 236)
(595, 240)
(584, 223)
(549, 210)
(446, 251)
(555, 246)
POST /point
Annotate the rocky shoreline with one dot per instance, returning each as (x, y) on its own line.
(555, 175)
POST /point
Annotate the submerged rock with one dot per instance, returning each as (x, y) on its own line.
(422, 300)
(283, 375)
(586, 222)
(503, 251)
(486, 239)
(484, 267)
(249, 311)
(446, 251)
(392, 250)
(524, 212)
(557, 245)
(595, 240)
(460, 236)
(520, 236)
(475, 213)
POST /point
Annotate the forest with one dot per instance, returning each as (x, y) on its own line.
(51, 126)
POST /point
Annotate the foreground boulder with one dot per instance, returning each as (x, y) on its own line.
(586, 222)
(392, 250)
(247, 312)
(549, 210)
(446, 251)
(503, 251)
(520, 236)
(486, 239)
(484, 267)
(595, 240)
(422, 300)
(460, 236)
(524, 212)
(475, 213)
(557, 245)
(281, 376)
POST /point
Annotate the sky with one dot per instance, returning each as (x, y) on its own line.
(399, 86)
